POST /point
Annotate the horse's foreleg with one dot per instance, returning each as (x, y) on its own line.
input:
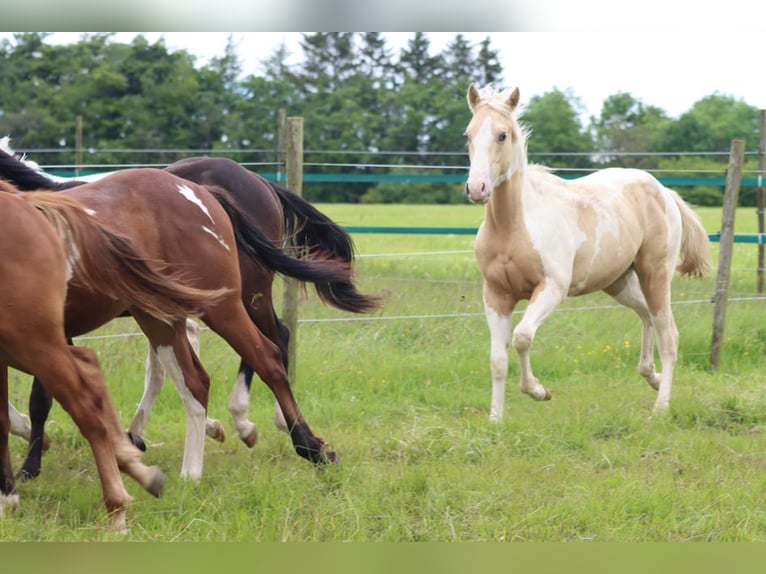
(9, 498)
(239, 406)
(542, 303)
(154, 379)
(213, 427)
(190, 385)
(20, 425)
(40, 403)
(499, 335)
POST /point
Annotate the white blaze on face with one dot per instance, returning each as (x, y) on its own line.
(479, 183)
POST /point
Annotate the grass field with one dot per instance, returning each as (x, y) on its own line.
(404, 398)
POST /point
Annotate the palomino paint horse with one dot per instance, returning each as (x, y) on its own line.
(544, 238)
(277, 212)
(45, 241)
(189, 228)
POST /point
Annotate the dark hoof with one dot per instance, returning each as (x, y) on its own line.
(251, 439)
(137, 441)
(156, 484)
(331, 457)
(327, 457)
(27, 474)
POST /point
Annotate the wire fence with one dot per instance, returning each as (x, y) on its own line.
(565, 308)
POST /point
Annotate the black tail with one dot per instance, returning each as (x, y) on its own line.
(311, 230)
(26, 178)
(318, 267)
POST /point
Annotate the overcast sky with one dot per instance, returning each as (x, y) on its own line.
(668, 69)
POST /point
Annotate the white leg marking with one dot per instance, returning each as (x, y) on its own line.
(154, 379)
(195, 417)
(9, 501)
(189, 194)
(279, 418)
(239, 407)
(499, 335)
(20, 424)
(667, 347)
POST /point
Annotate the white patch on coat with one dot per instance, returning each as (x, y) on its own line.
(189, 194)
(217, 237)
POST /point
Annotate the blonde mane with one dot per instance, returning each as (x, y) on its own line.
(497, 99)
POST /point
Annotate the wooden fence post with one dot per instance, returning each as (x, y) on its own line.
(731, 194)
(294, 172)
(760, 202)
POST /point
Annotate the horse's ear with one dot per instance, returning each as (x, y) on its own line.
(473, 96)
(513, 99)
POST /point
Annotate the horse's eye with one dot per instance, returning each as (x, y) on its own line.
(502, 137)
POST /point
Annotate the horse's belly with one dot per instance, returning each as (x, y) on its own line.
(599, 274)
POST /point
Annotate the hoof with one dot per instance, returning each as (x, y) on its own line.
(46, 442)
(214, 430)
(251, 438)
(154, 487)
(547, 396)
(25, 474)
(137, 441)
(117, 522)
(327, 457)
(330, 457)
(8, 503)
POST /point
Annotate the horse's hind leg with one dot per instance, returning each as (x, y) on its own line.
(127, 455)
(231, 322)
(72, 376)
(655, 285)
(627, 291)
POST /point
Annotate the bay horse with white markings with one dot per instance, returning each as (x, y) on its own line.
(47, 243)
(544, 238)
(189, 227)
(277, 213)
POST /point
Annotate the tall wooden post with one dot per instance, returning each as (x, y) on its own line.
(281, 129)
(760, 200)
(731, 194)
(294, 172)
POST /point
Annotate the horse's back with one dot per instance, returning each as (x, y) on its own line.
(167, 217)
(252, 192)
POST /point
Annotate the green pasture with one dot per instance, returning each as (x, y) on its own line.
(403, 396)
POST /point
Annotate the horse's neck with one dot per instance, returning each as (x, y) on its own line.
(503, 212)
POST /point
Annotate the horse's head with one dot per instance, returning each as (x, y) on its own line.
(496, 141)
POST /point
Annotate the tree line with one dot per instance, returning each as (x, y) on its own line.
(363, 105)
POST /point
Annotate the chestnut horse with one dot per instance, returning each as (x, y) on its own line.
(189, 228)
(278, 213)
(544, 238)
(48, 243)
